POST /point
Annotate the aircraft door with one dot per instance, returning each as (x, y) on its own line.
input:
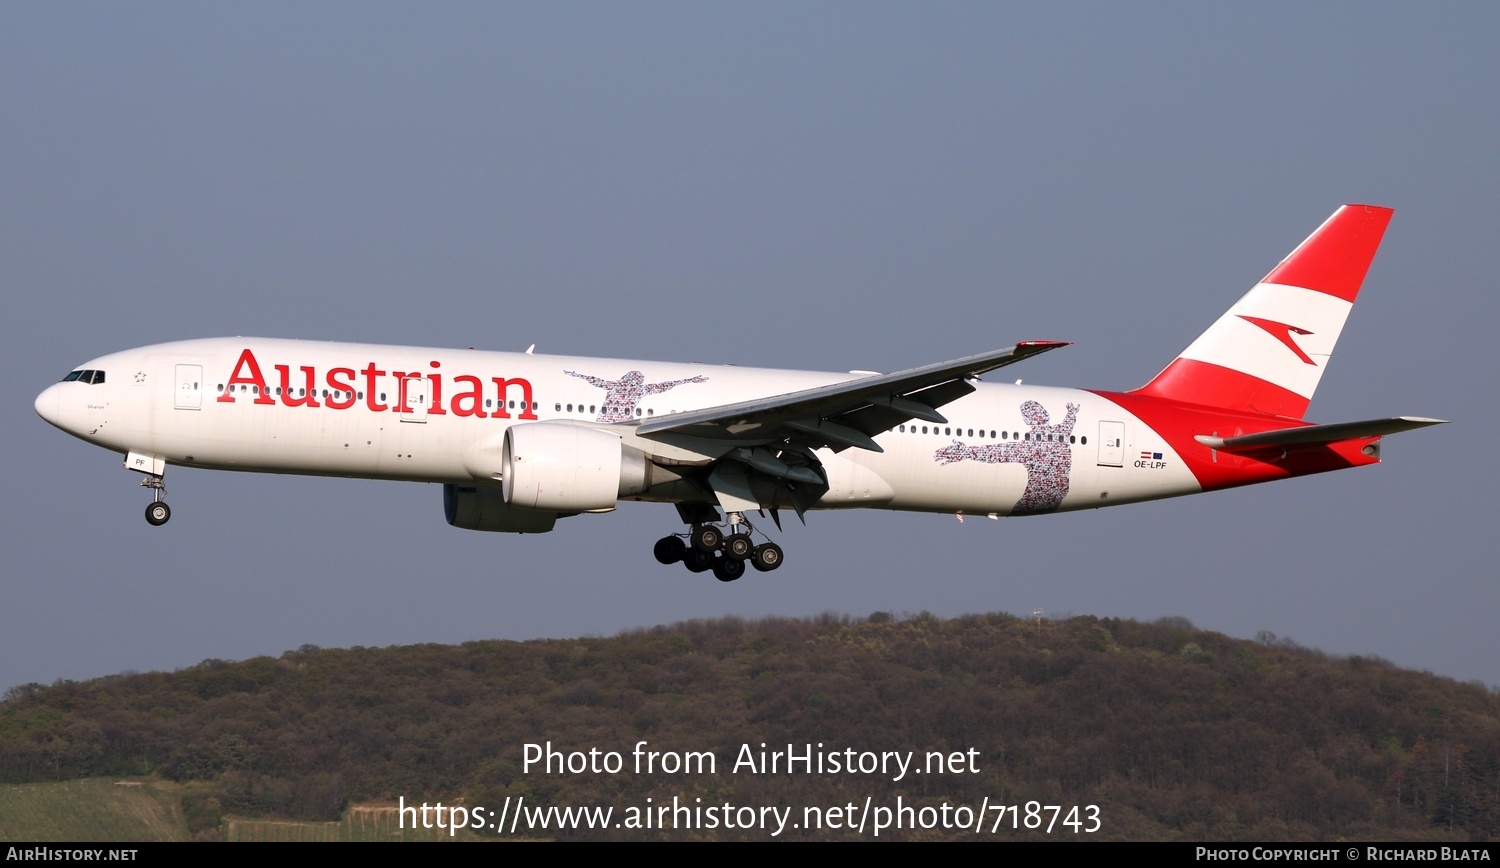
(187, 393)
(413, 395)
(1111, 444)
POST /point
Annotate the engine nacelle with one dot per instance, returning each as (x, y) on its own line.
(483, 507)
(569, 468)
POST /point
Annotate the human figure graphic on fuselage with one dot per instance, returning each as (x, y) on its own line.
(1045, 453)
(621, 396)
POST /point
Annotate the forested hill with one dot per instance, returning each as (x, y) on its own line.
(1172, 732)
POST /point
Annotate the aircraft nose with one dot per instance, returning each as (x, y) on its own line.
(48, 405)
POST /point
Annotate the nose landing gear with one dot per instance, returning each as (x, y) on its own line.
(152, 468)
(157, 511)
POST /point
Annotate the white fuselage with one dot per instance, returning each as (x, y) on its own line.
(407, 413)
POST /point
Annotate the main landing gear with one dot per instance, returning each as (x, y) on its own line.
(157, 511)
(705, 547)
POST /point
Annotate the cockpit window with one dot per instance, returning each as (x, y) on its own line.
(72, 375)
(94, 377)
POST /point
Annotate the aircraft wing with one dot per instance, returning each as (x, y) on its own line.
(846, 414)
(1311, 434)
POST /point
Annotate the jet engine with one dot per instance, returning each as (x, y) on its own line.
(570, 468)
(483, 507)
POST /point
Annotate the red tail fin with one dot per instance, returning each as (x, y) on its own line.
(1267, 353)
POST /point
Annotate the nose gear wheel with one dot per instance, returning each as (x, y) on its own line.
(157, 511)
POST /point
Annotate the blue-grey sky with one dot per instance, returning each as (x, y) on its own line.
(830, 186)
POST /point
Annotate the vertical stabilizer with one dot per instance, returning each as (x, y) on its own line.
(1267, 353)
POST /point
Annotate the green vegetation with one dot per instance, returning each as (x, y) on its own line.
(1173, 732)
(109, 810)
(361, 823)
(92, 810)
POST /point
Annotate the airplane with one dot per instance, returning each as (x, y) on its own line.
(519, 440)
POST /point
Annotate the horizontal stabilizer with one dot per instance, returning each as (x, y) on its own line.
(1310, 434)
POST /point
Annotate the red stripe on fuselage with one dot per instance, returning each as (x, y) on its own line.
(1334, 259)
(1179, 423)
(1190, 381)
